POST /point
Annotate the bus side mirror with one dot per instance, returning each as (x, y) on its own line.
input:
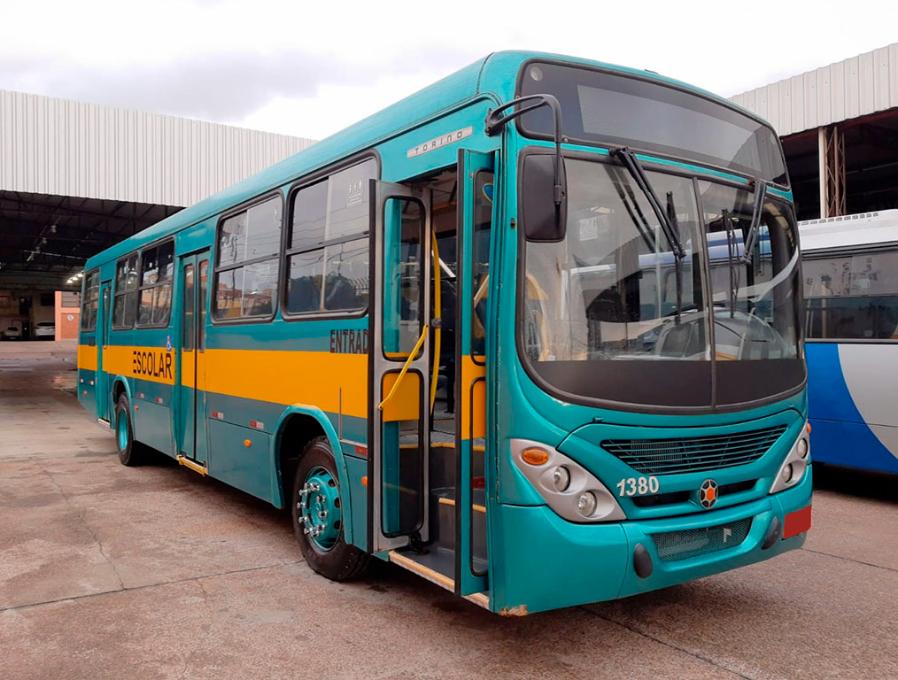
(543, 199)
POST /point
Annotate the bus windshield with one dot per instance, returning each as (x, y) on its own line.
(609, 294)
(608, 108)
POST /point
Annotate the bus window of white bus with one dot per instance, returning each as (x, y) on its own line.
(851, 296)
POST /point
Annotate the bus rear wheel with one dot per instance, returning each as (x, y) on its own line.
(318, 519)
(130, 452)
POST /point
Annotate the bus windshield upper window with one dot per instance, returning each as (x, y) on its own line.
(851, 296)
(607, 108)
(248, 262)
(327, 259)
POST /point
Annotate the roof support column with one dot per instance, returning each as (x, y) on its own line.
(831, 154)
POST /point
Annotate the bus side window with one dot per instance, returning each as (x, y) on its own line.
(154, 298)
(327, 248)
(125, 305)
(851, 297)
(248, 262)
(89, 301)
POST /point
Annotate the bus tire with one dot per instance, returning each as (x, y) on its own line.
(130, 452)
(316, 489)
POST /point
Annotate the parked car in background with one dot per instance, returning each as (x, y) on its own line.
(45, 330)
(12, 332)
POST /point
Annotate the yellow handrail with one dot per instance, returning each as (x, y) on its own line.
(437, 315)
(408, 362)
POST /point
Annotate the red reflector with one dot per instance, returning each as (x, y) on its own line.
(797, 522)
(361, 450)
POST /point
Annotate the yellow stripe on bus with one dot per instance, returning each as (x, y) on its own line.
(187, 368)
(288, 377)
(278, 376)
(87, 357)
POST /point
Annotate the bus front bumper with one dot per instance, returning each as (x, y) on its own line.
(545, 562)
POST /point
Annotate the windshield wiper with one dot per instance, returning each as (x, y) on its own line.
(678, 268)
(732, 254)
(633, 166)
(748, 244)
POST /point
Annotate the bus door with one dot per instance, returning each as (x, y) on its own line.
(475, 211)
(104, 319)
(399, 359)
(190, 416)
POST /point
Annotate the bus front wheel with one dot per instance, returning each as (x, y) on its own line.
(318, 519)
(130, 452)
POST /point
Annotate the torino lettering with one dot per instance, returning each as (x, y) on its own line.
(152, 364)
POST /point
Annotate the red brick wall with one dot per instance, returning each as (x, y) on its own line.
(67, 320)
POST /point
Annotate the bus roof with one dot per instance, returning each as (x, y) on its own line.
(492, 75)
(861, 229)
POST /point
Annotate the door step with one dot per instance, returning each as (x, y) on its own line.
(444, 529)
(429, 572)
(413, 563)
(193, 465)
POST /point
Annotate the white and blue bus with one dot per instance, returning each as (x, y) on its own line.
(850, 271)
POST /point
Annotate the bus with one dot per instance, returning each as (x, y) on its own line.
(434, 338)
(850, 272)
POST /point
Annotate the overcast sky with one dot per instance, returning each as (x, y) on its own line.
(310, 69)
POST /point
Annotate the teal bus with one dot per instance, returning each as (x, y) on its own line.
(478, 335)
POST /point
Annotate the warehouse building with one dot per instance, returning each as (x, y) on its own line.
(839, 127)
(76, 178)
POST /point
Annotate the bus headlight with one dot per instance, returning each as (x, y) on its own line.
(561, 478)
(794, 464)
(566, 486)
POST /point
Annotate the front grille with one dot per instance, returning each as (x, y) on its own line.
(681, 545)
(675, 456)
(672, 497)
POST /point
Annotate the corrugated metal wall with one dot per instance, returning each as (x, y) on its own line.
(55, 146)
(855, 87)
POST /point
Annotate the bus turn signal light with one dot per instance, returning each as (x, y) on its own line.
(535, 456)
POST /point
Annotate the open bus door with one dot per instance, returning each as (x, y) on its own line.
(399, 360)
(475, 211)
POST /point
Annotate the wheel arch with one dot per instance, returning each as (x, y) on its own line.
(297, 425)
(120, 385)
